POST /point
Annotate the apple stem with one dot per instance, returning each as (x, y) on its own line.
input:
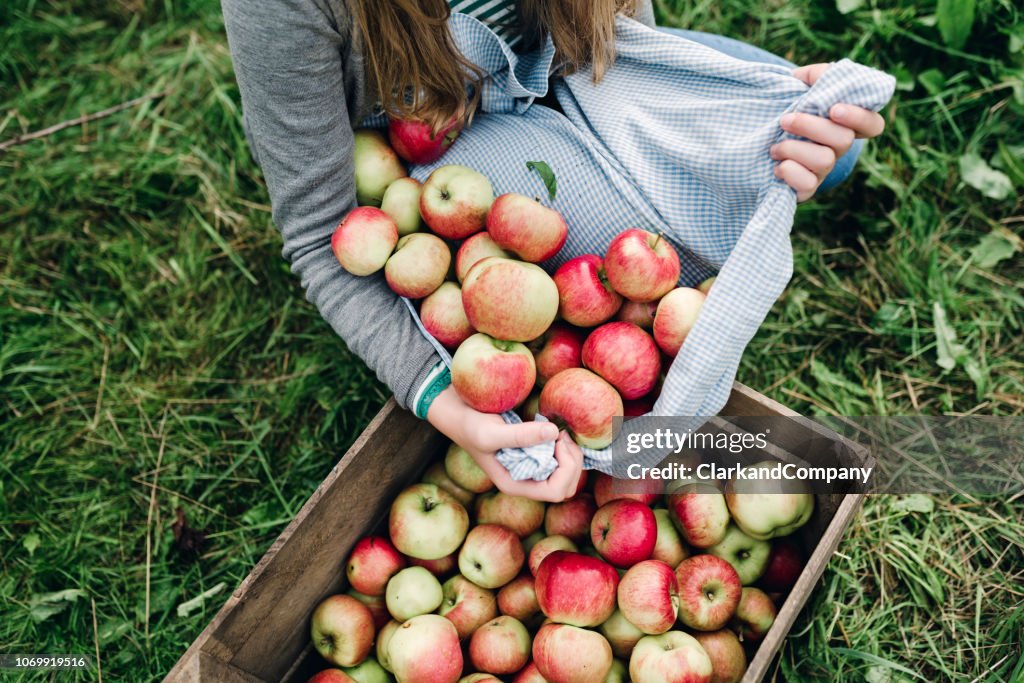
(656, 241)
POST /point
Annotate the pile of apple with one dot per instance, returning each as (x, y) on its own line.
(654, 585)
(589, 342)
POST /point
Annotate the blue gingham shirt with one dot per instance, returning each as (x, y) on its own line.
(675, 139)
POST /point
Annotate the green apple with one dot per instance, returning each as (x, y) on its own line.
(370, 671)
(411, 592)
(376, 166)
(748, 556)
(402, 202)
(426, 522)
(768, 508)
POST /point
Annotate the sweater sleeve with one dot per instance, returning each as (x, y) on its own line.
(289, 59)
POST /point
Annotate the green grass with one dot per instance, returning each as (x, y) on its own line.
(156, 353)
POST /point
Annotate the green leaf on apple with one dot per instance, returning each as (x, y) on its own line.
(546, 174)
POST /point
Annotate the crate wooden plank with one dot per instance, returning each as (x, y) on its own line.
(264, 626)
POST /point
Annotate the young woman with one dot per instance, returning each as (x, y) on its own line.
(310, 71)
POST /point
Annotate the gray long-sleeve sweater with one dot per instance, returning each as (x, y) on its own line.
(303, 86)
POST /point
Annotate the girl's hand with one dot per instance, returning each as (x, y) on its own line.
(803, 164)
(484, 434)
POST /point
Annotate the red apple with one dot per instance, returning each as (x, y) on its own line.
(648, 596)
(584, 296)
(501, 646)
(567, 654)
(332, 676)
(607, 488)
(476, 248)
(625, 356)
(582, 403)
(402, 202)
(441, 568)
(784, 566)
(638, 406)
(342, 630)
(418, 143)
(492, 375)
(426, 522)
(624, 532)
(479, 678)
(709, 590)
(518, 599)
(444, 317)
(641, 266)
(669, 547)
(728, 661)
(521, 515)
(640, 313)
(437, 475)
(426, 649)
(455, 201)
(418, 265)
(545, 547)
(676, 316)
(377, 606)
(524, 226)
(509, 299)
(754, 616)
(560, 348)
(491, 555)
(576, 589)
(673, 657)
(529, 674)
(467, 605)
(364, 240)
(372, 562)
(463, 470)
(571, 518)
(621, 634)
(699, 512)
(376, 166)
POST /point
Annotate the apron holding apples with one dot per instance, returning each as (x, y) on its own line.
(674, 140)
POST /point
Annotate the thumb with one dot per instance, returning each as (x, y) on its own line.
(811, 73)
(522, 435)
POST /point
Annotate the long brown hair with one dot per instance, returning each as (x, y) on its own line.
(418, 73)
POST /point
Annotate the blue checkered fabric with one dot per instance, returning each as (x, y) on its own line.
(675, 139)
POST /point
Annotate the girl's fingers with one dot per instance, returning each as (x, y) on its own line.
(822, 131)
(797, 177)
(503, 435)
(570, 466)
(817, 158)
(863, 122)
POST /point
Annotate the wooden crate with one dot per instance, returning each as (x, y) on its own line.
(261, 634)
